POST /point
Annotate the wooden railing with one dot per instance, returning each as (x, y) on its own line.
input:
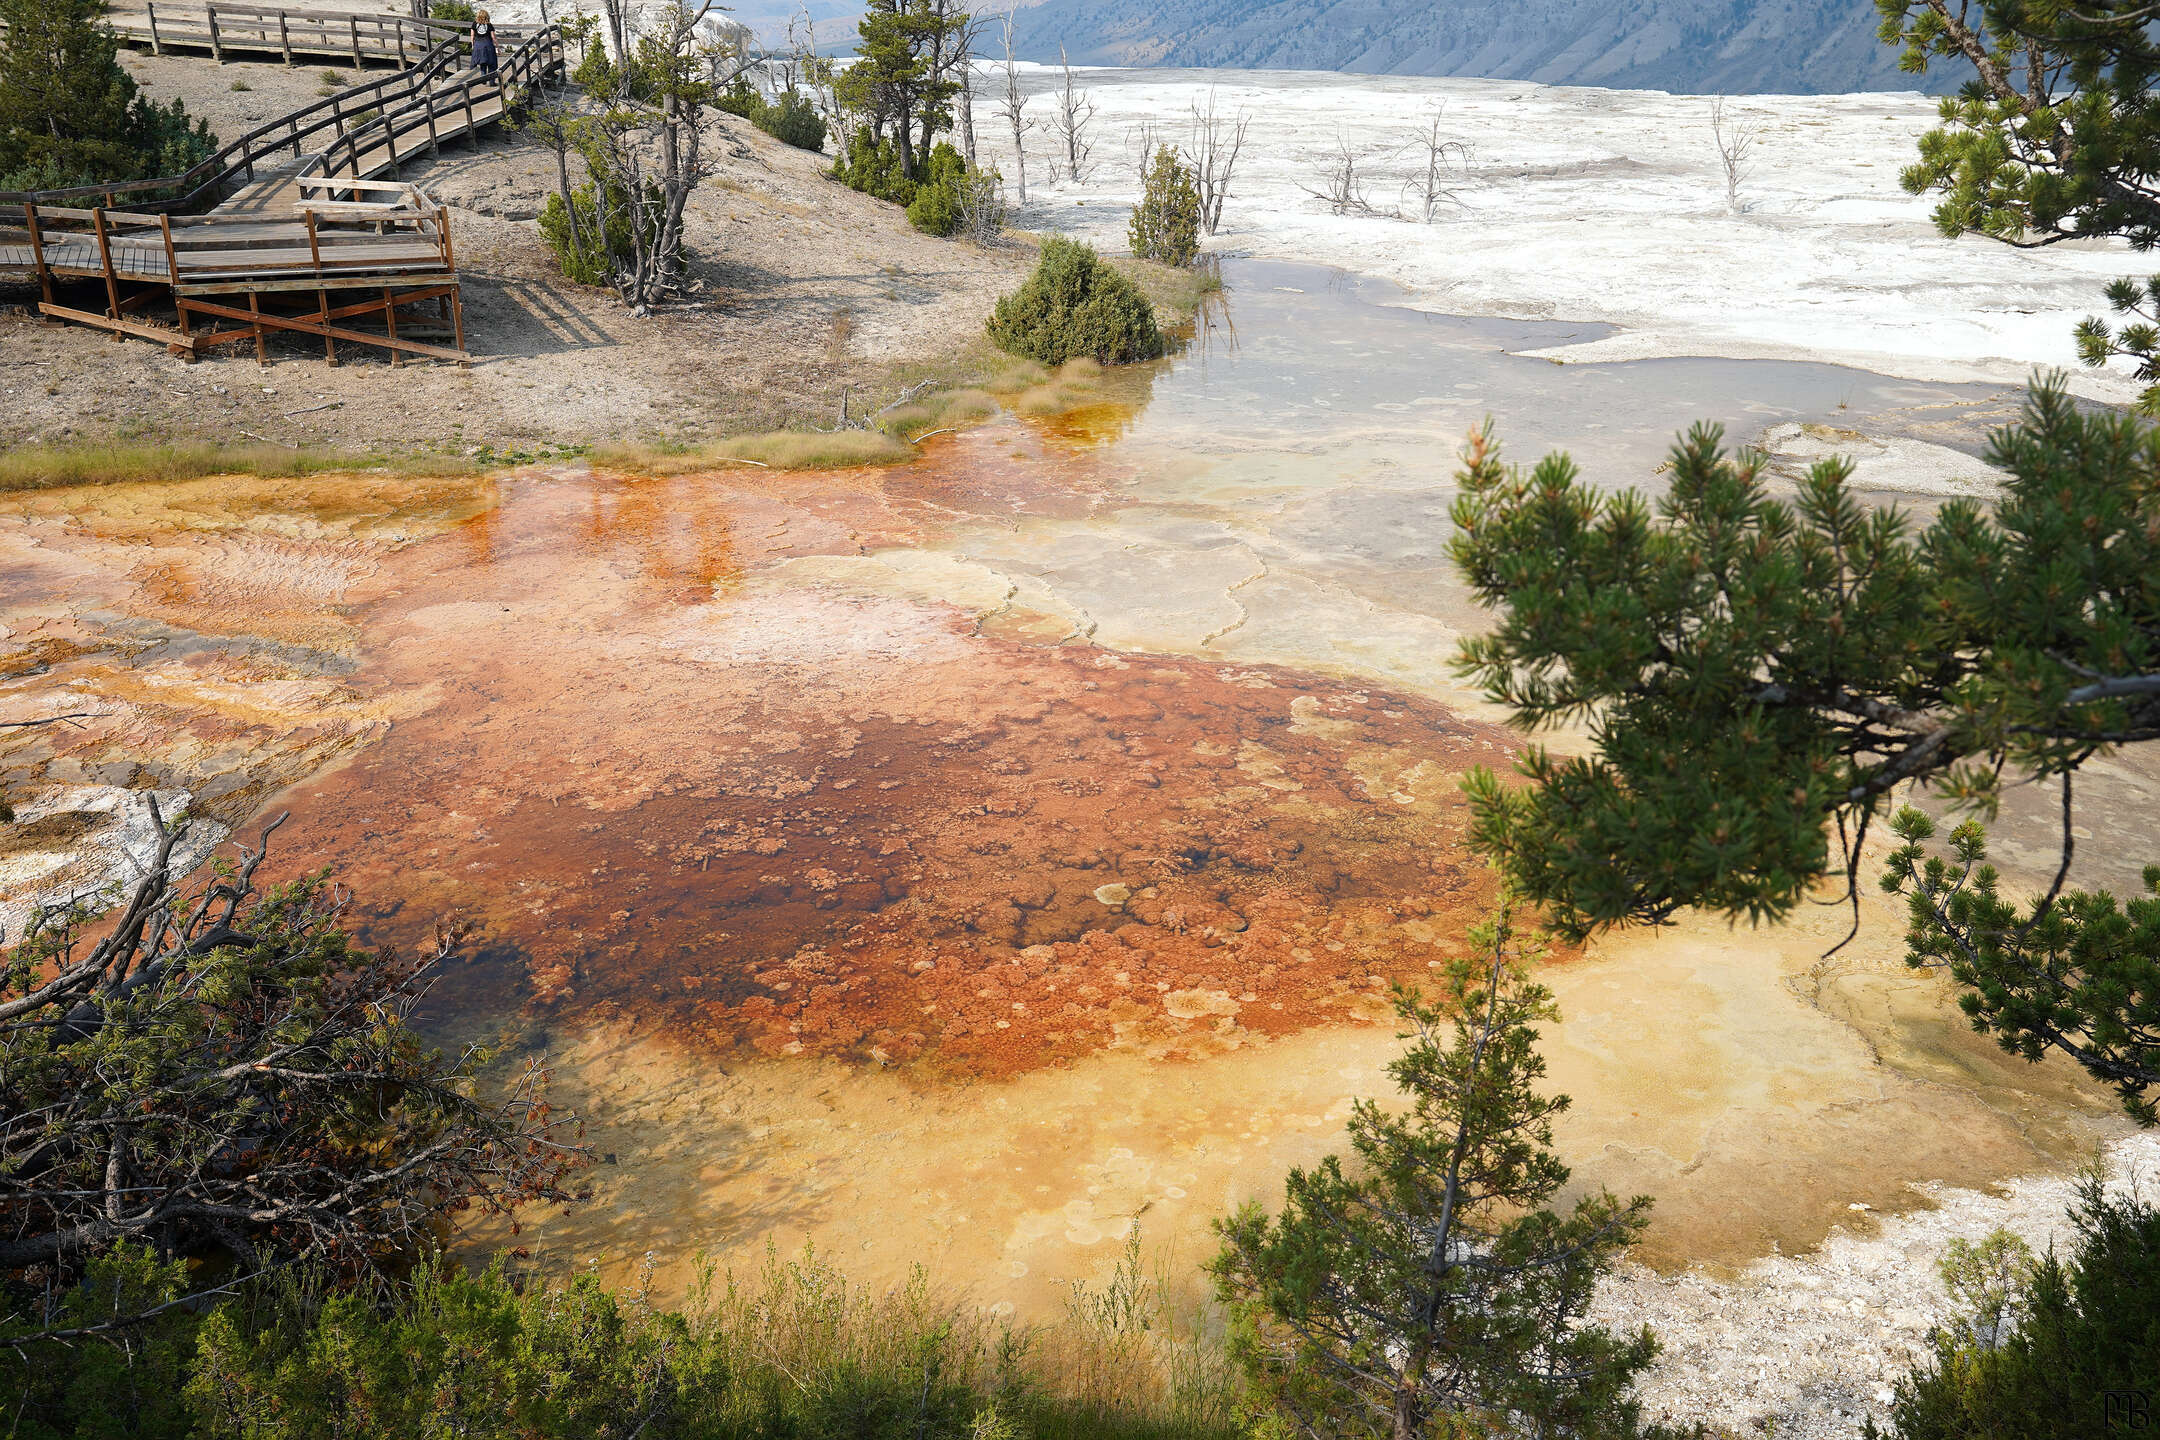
(528, 63)
(258, 29)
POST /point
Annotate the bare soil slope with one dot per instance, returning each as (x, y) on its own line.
(808, 288)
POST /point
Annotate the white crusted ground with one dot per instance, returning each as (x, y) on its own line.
(1603, 205)
(86, 841)
(1805, 1346)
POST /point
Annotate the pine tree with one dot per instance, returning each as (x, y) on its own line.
(1755, 671)
(1426, 1286)
(2054, 138)
(1166, 223)
(69, 115)
(900, 83)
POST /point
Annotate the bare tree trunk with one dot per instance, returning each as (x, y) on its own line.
(1217, 143)
(1074, 111)
(1013, 105)
(967, 98)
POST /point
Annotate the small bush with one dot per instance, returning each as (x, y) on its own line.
(741, 99)
(1073, 306)
(1166, 222)
(582, 252)
(458, 10)
(240, 87)
(936, 207)
(2036, 1347)
(873, 167)
(579, 249)
(791, 119)
(956, 199)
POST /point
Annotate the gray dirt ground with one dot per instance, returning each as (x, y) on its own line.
(808, 288)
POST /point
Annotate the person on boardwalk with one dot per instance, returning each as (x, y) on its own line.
(483, 45)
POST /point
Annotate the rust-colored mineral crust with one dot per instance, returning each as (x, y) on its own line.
(805, 819)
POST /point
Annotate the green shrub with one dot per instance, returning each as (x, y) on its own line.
(791, 119)
(95, 1390)
(70, 115)
(581, 252)
(1072, 306)
(797, 1352)
(742, 99)
(873, 167)
(458, 10)
(936, 208)
(2039, 1347)
(1166, 222)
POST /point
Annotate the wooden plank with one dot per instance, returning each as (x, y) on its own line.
(106, 322)
(358, 337)
(240, 283)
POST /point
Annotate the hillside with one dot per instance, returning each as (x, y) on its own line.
(1692, 46)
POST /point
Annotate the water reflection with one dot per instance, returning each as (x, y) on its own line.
(1297, 356)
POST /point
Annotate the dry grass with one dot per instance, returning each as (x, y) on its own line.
(773, 450)
(947, 410)
(1125, 1363)
(1076, 383)
(46, 467)
(1175, 291)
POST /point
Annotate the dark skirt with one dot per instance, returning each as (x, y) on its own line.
(483, 53)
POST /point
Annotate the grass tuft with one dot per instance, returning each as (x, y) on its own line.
(773, 450)
(948, 410)
(1075, 384)
(45, 467)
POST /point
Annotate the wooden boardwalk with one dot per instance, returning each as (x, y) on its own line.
(225, 31)
(290, 228)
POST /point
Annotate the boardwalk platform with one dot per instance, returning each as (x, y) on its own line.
(298, 241)
(257, 32)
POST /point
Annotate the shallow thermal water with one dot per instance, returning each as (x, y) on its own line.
(956, 861)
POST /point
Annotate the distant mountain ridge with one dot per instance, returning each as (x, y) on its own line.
(1688, 46)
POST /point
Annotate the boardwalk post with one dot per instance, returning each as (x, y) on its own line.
(112, 281)
(397, 356)
(284, 37)
(37, 252)
(217, 47)
(434, 145)
(472, 126)
(157, 46)
(262, 351)
(354, 22)
(314, 245)
(172, 277)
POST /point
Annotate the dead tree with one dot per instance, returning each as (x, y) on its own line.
(1141, 142)
(1736, 136)
(218, 1073)
(1012, 108)
(1342, 182)
(817, 81)
(964, 64)
(1070, 119)
(1438, 161)
(1217, 141)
